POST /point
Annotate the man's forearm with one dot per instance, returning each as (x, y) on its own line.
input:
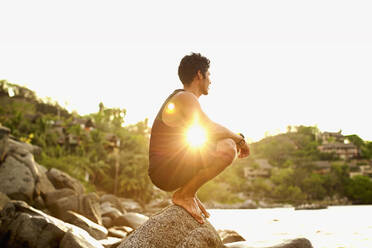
(217, 132)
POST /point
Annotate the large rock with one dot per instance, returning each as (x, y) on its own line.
(4, 142)
(95, 230)
(130, 205)
(25, 227)
(173, 227)
(113, 200)
(230, 236)
(86, 205)
(294, 243)
(53, 196)
(109, 211)
(16, 180)
(4, 199)
(62, 180)
(133, 220)
(22, 148)
(43, 185)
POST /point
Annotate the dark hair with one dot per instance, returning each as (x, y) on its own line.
(190, 65)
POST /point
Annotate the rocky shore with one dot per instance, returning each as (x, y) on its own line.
(48, 208)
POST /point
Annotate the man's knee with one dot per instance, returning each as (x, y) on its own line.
(226, 150)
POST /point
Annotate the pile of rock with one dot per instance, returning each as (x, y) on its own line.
(48, 208)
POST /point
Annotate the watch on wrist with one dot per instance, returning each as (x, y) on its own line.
(242, 141)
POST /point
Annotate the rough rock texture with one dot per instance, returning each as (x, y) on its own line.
(16, 180)
(173, 227)
(62, 180)
(294, 243)
(26, 227)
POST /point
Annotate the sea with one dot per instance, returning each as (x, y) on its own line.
(334, 227)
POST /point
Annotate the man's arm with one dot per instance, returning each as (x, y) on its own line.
(191, 110)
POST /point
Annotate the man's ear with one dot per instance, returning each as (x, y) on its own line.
(200, 75)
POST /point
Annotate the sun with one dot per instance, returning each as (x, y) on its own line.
(196, 136)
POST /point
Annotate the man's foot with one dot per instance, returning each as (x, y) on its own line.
(189, 204)
(202, 208)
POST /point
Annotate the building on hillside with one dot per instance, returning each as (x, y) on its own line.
(331, 137)
(344, 151)
(263, 170)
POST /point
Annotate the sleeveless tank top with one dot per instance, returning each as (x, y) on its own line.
(165, 141)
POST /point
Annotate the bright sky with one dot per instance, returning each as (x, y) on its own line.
(273, 63)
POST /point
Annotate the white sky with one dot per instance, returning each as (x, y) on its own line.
(273, 63)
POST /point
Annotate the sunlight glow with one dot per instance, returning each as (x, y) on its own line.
(196, 136)
(170, 108)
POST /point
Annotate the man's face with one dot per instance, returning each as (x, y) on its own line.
(204, 84)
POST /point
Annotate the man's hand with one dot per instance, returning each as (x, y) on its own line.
(243, 150)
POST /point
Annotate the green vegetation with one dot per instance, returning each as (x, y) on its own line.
(96, 154)
(107, 156)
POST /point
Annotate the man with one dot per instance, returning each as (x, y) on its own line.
(175, 162)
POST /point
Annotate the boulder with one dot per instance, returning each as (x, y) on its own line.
(43, 185)
(4, 199)
(173, 227)
(90, 208)
(116, 232)
(113, 200)
(22, 148)
(86, 205)
(26, 227)
(110, 242)
(95, 230)
(62, 180)
(16, 180)
(61, 206)
(76, 240)
(130, 205)
(53, 196)
(111, 212)
(106, 221)
(294, 243)
(4, 142)
(229, 236)
(133, 220)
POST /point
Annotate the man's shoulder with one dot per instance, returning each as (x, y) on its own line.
(185, 97)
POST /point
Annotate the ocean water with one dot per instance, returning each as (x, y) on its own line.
(335, 227)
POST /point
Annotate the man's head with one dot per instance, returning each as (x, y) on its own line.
(191, 66)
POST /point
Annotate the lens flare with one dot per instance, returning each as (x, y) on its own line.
(196, 136)
(170, 108)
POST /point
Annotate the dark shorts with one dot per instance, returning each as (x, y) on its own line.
(173, 171)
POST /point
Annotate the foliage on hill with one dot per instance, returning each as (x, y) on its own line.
(95, 155)
(106, 155)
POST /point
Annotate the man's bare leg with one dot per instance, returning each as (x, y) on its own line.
(185, 196)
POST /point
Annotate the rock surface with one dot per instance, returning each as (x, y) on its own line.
(62, 180)
(230, 236)
(26, 227)
(173, 227)
(16, 180)
(95, 230)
